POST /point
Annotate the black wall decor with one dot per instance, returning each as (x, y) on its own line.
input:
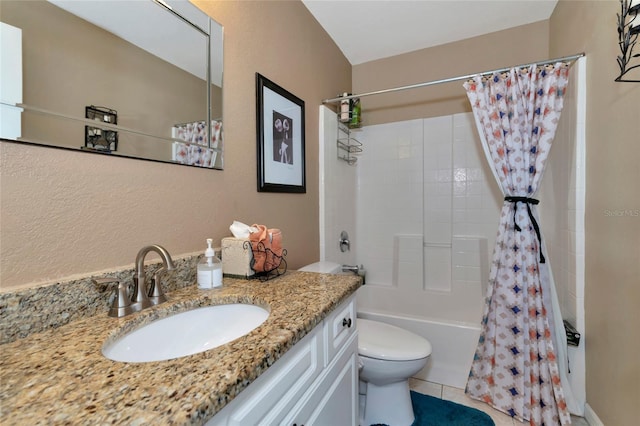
(628, 32)
(99, 138)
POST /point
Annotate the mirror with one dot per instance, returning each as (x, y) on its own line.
(131, 78)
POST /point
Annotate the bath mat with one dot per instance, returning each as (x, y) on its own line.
(431, 411)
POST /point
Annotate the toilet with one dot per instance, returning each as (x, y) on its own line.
(389, 356)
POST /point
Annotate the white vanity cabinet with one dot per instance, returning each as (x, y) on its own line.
(333, 400)
(314, 383)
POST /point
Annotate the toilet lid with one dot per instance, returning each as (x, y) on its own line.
(387, 342)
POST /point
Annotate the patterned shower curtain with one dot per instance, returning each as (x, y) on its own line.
(515, 369)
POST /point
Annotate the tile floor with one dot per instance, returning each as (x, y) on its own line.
(457, 395)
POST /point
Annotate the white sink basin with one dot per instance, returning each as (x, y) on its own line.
(186, 333)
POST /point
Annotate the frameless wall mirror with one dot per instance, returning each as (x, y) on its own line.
(131, 78)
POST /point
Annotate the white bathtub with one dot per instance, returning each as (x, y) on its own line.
(453, 345)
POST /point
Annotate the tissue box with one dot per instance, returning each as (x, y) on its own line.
(237, 257)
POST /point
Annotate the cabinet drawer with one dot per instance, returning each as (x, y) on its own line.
(278, 393)
(338, 327)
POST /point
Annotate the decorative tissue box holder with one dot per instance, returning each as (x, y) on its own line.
(237, 257)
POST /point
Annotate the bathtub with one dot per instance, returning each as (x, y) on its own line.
(453, 345)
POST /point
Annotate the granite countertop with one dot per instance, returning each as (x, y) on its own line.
(61, 377)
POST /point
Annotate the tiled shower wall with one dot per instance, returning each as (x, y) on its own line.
(337, 194)
(427, 211)
(427, 208)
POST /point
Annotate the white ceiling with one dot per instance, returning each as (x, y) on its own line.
(366, 30)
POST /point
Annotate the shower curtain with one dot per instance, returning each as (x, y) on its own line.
(515, 367)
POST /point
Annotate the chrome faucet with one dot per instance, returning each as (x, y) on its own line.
(143, 298)
(358, 270)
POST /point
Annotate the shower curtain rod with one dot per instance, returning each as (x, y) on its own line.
(449, 80)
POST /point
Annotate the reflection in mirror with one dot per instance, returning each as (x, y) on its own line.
(126, 78)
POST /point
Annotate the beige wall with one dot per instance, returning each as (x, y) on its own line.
(612, 292)
(490, 51)
(67, 213)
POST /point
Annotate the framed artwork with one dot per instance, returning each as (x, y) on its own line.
(105, 140)
(280, 132)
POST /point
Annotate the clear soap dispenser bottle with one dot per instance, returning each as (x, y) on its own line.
(209, 269)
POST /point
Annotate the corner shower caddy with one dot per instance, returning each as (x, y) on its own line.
(347, 144)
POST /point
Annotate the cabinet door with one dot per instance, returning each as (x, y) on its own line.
(335, 400)
(275, 393)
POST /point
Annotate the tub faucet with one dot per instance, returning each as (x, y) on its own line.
(358, 270)
(347, 268)
(142, 297)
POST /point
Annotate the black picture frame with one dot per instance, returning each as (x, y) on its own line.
(105, 140)
(280, 119)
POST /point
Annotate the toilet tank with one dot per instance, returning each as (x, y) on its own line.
(323, 267)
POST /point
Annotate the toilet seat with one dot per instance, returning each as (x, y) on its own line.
(387, 342)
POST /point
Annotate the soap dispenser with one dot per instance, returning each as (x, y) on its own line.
(209, 269)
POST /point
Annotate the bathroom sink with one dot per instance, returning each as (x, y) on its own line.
(186, 333)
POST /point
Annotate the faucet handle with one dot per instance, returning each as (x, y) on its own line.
(345, 244)
(121, 304)
(156, 296)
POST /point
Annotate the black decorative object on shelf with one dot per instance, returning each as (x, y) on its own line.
(98, 138)
(274, 265)
(573, 337)
(628, 31)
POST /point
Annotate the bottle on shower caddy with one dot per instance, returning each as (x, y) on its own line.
(345, 109)
(356, 117)
(209, 269)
